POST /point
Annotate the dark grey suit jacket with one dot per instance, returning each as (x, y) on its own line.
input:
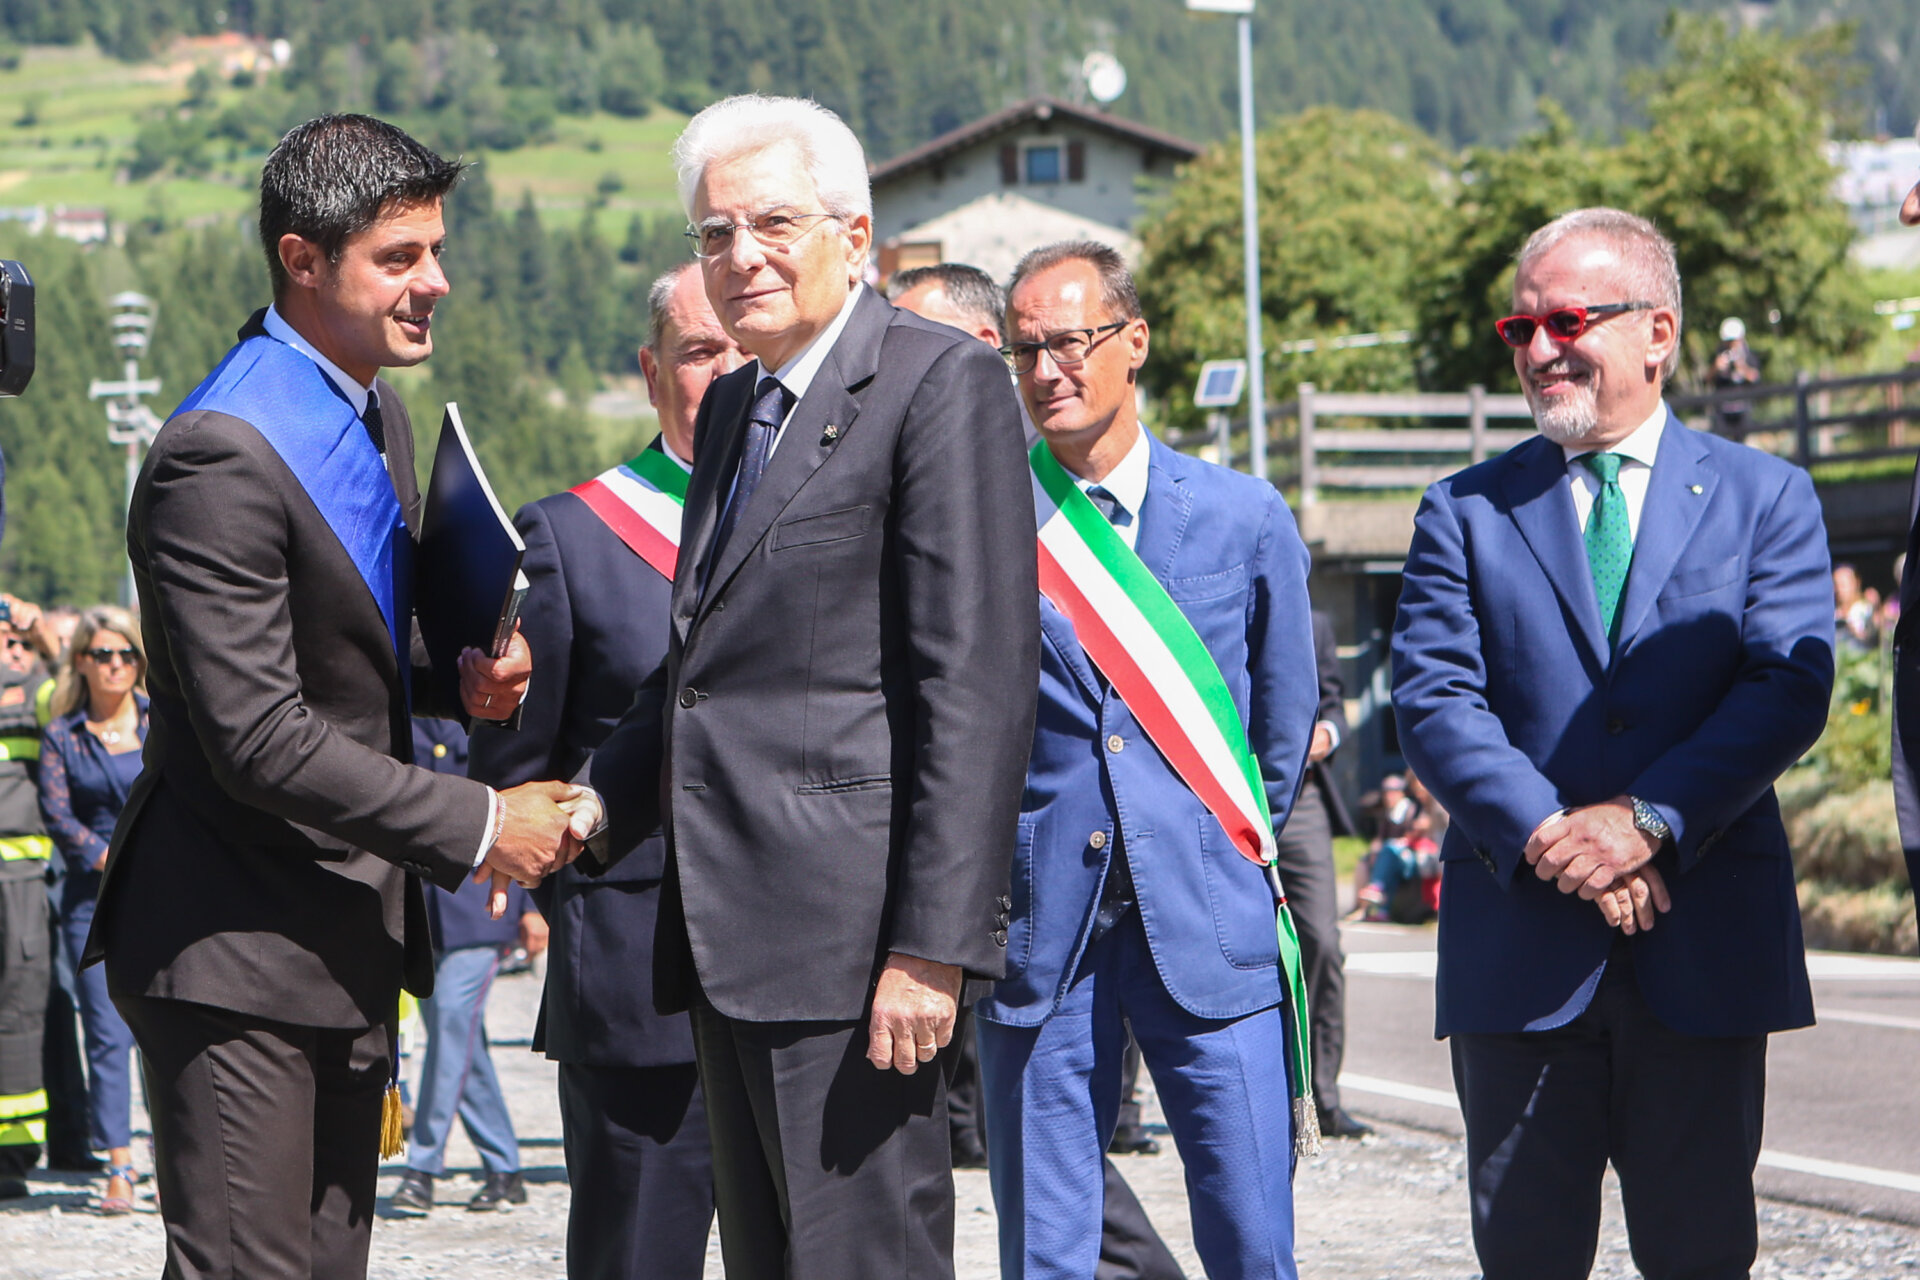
(262, 862)
(838, 737)
(597, 614)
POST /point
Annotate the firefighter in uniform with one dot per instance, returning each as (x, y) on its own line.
(26, 960)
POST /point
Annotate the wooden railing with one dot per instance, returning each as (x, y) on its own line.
(1809, 421)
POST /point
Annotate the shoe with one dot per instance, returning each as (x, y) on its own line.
(414, 1195)
(114, 1206)
(1338, 1124)
(14, 1189)
(501, 1190)
(1135, 1143)
(968, 1153)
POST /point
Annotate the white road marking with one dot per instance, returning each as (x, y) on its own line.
(1867, 1019)
(1864, 1175)
(1393, 964)
(1822, 966)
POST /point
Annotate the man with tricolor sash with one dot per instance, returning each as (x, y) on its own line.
(1177, 698)
(600, 563)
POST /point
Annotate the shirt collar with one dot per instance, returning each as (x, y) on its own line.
(1127, 482)
(797, 374)
(357, 395)
(666, 447)
(1639, 447)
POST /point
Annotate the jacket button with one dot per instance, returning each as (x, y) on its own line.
(719, 605)
(1000, 937)
(1098, 839)
(1116, 743)
(688, 697)
(1616, 726)
(1006, 903)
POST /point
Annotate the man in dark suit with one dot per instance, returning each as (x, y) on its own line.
(837, 738)
(262, 906)
(1906, 661)
(1611, 641)
(631, 1111)
(1306, 869)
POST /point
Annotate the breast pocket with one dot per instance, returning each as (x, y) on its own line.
(828, 526)
(1702, 581)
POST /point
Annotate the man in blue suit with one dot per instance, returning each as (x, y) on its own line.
(631, 1110)
(1611, 641)
(1130, 904)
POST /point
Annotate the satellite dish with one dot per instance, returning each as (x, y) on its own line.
(1106, 78)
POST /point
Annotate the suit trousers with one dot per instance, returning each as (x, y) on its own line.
(267, 1139)
(1679, 1116)
(1313, 893)
(824, 1168)
(641, 1170)
(1053, 1097)
(457, 1077)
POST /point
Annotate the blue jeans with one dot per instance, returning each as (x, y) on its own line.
(1052, 1097)
(109, 1046)
(1393, 866)
(457, 1076)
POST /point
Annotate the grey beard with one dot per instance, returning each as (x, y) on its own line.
(1570, 421)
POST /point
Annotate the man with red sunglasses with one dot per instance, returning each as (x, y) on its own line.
(1611, 641)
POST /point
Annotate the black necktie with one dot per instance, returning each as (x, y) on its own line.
(1117, 516)
(376, 430)
(763, 424)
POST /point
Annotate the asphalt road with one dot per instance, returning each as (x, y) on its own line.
(1843, 1105)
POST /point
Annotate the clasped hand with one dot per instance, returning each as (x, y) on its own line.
(544, 825)
(1597, 852)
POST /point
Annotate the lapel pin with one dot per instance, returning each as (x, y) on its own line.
(1694, 488)
(831, 434)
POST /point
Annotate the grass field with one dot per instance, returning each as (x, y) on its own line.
(69, 117)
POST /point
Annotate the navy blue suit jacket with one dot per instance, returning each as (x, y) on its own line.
(596, 615)
(1509, 708)
(1227, 550)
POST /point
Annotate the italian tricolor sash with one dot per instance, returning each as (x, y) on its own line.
(641, 501)
(1136, 635)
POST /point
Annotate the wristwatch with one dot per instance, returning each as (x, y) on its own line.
(1648, 819)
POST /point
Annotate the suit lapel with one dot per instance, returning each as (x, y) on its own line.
(1678, 491)
(805, 442)
(716, 454)
(1164, 511)
(1536, 491)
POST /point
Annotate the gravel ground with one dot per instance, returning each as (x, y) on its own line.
(1390, 1208)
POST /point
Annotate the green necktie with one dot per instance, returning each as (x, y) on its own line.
(1609, 538)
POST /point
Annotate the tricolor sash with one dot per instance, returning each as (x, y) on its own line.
(299, 411)
(1136, 635)
(641, 501)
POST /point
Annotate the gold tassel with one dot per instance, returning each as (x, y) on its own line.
(1306, 1128)
(393, 1137)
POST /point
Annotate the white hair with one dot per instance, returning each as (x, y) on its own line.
(750, 122)
(1647, 259)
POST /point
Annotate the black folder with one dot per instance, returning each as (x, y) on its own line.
(468, 586)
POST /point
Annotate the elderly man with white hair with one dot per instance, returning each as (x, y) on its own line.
(837, 739)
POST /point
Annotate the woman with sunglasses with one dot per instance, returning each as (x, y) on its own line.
(89, 757)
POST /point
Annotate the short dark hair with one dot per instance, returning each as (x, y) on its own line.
(1117, 294)
(971, 290)
(336, 175)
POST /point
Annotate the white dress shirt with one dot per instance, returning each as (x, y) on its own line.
(357, 396)
(797, 374)
(1127, 482)
(666, 447)
(1636, 469)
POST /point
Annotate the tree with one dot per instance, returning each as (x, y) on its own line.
(1352, 207)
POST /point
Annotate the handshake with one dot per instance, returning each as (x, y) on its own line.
(543, 827)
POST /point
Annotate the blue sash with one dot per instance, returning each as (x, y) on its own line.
(298, 410)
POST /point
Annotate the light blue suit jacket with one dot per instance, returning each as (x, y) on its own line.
(1510, 706)
(1227, 550)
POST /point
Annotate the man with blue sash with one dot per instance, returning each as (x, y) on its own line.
(1132, 906)
(262, 904)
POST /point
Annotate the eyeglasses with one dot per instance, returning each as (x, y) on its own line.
(773, 230)
(1068, 347)
(105, 657)
(1563, 324)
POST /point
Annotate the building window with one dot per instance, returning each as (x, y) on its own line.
(1044, 166)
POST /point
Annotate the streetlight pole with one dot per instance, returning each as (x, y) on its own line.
(130, 422)
(1250, 234)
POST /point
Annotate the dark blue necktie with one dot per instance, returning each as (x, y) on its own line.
(763, 424)
(376, 429)
(1117, 516)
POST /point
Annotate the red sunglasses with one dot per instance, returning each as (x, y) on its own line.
(1563, 324)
